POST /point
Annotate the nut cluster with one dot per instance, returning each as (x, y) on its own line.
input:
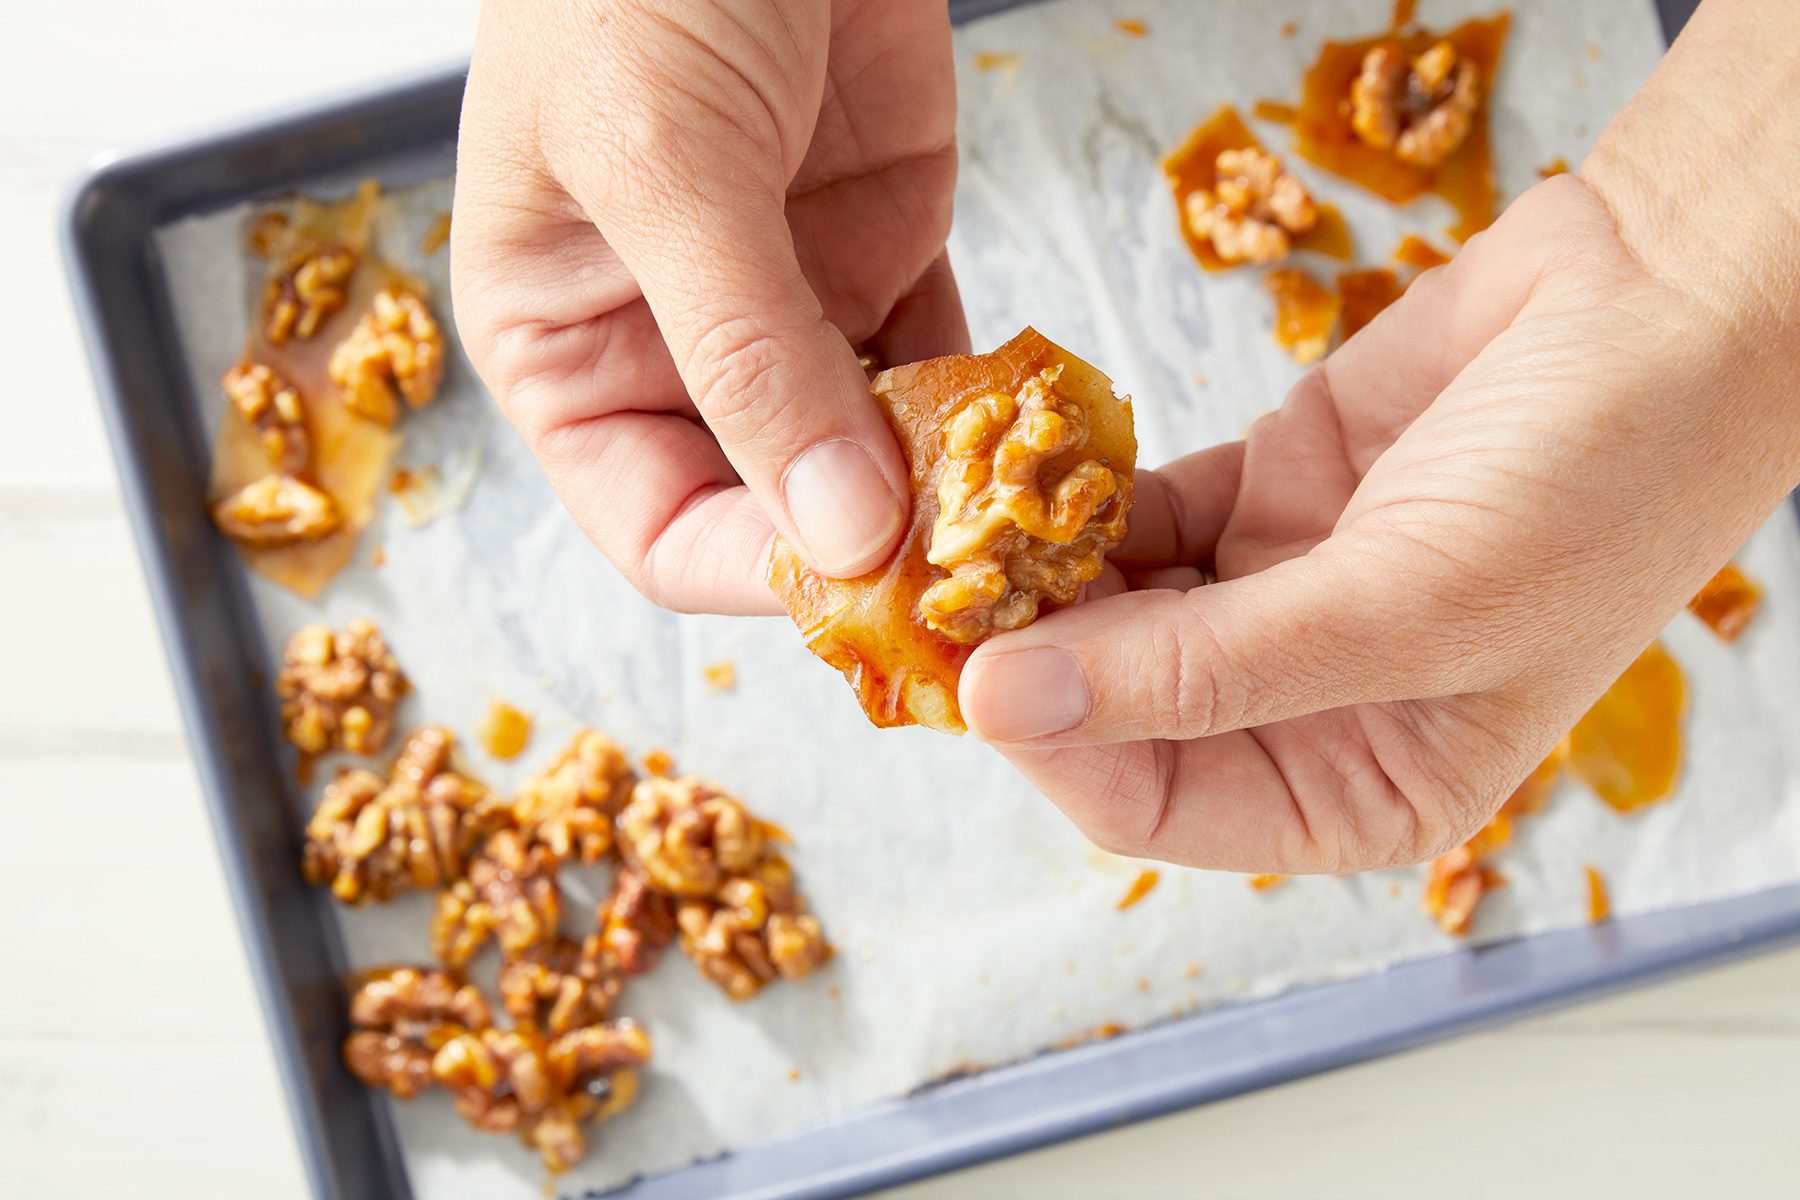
(272, 407)
(1013, 528)
(1254, 209)
(1420, 109)
(372, 840)
(396, 352)
(339, 691)
(312, 284)
(696, 866)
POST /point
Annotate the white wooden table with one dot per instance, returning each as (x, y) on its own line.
(132, 1057)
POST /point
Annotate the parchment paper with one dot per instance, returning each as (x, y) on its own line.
(974, 924)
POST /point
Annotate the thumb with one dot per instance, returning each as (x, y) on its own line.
(699, 220)
(1299, 637)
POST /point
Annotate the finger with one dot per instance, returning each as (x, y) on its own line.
(777, 383)
(656, 495)
(1309, 634)
(926, 322)
(1167, 579)
(1178, 510)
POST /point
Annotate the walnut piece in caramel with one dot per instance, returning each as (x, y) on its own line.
(509, 894)
(395, 352)
(636, 922)
(277, 510)
(687, 836)
(272, 407)
(516, 1081)
(1254, 209)
(401, 1017)
(312, 284)
(371, 840)
(752, 930)
(339, 691)
(1420, 109)
(1012, 531)
(902, 655)
(559, 986)
(568, 807)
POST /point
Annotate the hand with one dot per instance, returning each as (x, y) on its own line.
(1457, 531)
(674, 222)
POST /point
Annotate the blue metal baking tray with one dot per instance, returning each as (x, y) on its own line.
(405, 131)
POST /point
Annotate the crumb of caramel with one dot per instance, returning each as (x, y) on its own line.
(1263, 883)
(1414, 251)
(505, 731)
(1599, 904)
(1140, 887)
(1728, 602)
(1132, 27)
(659, 763)
(436, 236)
(1556, 166)
(990, 61)
(1289, 28)
(721, 676)
(1305, 313)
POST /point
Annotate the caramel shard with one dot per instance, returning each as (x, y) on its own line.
(277, 510)
(720, 676)
(1021, 468)
(1363, 295)
(1599, 904)
(505, 731)
(1305, 313)
(1263, 883)
(1421, 255)
(1728, 602)
(1628, 746)
(395, 352)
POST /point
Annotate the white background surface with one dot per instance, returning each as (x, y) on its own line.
(131, 1052)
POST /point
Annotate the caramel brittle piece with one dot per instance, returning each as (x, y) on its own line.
(1021, 470)
(395, 352)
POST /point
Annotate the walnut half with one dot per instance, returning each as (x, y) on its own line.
(1020, 465)
(395, 352)
(1254, 209)
(401, 1017)
(1421, 109)
(272, 407)
(277, 510)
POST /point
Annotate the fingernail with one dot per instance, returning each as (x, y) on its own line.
(842, 507)
(1025, 694)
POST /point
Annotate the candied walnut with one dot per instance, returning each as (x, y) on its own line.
(687, 835)
(1253, 210)
(339, 691)
(877, 629)
(401, 1018)
(636, 923)
(272, 406)
(277, 510)
(752, 930)
(568, 807)
(1421, 109)
(1011, 531)
(396, 351)
(312, 284)
(509, 894)
(559, 986)
(372, 840)
(514, 1080)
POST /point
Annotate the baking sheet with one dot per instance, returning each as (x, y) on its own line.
(974, 925)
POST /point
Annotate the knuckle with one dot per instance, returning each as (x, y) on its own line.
(738, 370)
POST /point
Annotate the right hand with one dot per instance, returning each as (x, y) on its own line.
(675, 223)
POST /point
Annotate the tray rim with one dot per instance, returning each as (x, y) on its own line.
(965, 1121)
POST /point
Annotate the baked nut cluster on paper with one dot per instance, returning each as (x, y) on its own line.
(338, 691)
(690, 865)
(1421, 108)
(1254, 209)
(1021, 468)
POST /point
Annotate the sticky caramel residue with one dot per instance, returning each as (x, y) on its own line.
(1599, 904)
(505, 731)
(1263, 883)
(1193, 166)
(1727, 602)
(1628, 746)
(1305, 312)
(990, 61)
(1404, 11)
(1140, 887)
(349, 455)
(1132, 27)
(1323, 133)
(1556, 166)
